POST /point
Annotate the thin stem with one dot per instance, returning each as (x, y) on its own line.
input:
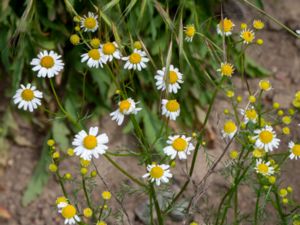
(256, 215)
(157, 208)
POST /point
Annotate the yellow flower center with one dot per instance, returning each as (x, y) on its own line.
(27, 95)
(109, 48)
(94, 54)
(60, 200)
(248, 36)
(190, 31)
(296, 150)
(172, 106)
(90, 22)
(264, 85)
(173, 77)
(156, 172)
(179, 144)
(263, 168)
(258, 153)
(266, 136)
(124, 105)
(258, 24)
(90, 142)
(227, 69)
(226, 25)
(135, 58)
(47, 61)
(229, 127)
(251, 114)
(68, 212)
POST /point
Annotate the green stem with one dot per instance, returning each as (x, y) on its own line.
(256, 215)
(156, 205)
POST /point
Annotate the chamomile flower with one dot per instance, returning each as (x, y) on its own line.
(172, 79)
(158, 173)
(48, 64)
(229, 129)
(170, 108)
(91, 144)
(136, 61)
(258, 24)
(249, 114)
(247, 36)
(189, 31)
(225, 27)
(27, 97)
(264, 168)
(89, 23)
(110, 49)
(226, 69)
(266, 139)
(69, 213)
(126, 107)
(179, 145)
(265, 85)
(295, 150)
(94, 58)
(61, 202)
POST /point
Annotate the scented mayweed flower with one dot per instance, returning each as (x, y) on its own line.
(89, 23)
(226, 69)
(94, 58)
(170, 80)
(126, 107)
(101, 223)
(264, 168)
(258, 24)
(225, 27)
(229, 129)
(61, 202)
(233, 154)
(265, 85)
(248, 36)
(95, 43)
(158, 173)
(294, 150)
(27, 97)
(48, 64)
(249, 115)
(110, 50)
(179, 145)
(137, 60)
(258, 153)
(189, 31)
(266, 138)
(91, 144)
(170, 108)
(69, 213)
(106, 195)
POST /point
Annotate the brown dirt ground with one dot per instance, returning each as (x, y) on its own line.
(280, 54)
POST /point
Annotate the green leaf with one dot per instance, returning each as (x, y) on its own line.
(259, 3)
(255, 70)
(60, 134)
(39, 178)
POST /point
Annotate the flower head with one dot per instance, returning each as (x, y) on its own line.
(247, 36)
(225, 27)
(249, 114)
(27, 97)
(136, 61)
(189, 31)
(264, 168)
(170, 81)
(110, 50)
(94, 58)
(258, 153)
(265, 85)
(48, 64)
(229, 129)
(179, 145)
(91, 144)
(258, 24)
(126, 107)
(69, 212)
(158, 173)
(170, 108)
(61, 202)
(266, 139)
(226, 69)
(89, 23)
(294, 150)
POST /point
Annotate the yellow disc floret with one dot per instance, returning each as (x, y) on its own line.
(226, 25)
(258, 153)
(173, 77)
(109, 48)
(266, 136)
(87, 212)
(190, 31)
(68, 212)
(106, 195)
(263, 168)
(74, 39)
(172, 106)
(229, 127)
(94, 54)
(296, 150)
(90, 22)
(156, 172)
(95, 42)
(248, 36)
(251, 114)
(135, 58)
(179, 144)
(90, 142)
(227, 69)
(124, 106)
(137, 45)
(47, 62)
(258, 24)
(265, 85)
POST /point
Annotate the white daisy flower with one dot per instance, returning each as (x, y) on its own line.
(170, 108)
(61, 202)
(294, 150)
(247, 36)
(266, 139)
(229, 129)
(69, 213)
(179, 145)
(27, 97)
(249, 114)
(89, 23)
(225, 27)
(126, 107)
(189, 31)
(264, 168)
(158, 173)
(47, 63)
(172, 80)
(94, 58)
(110, 50)
(91, 144)
(137, 60)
